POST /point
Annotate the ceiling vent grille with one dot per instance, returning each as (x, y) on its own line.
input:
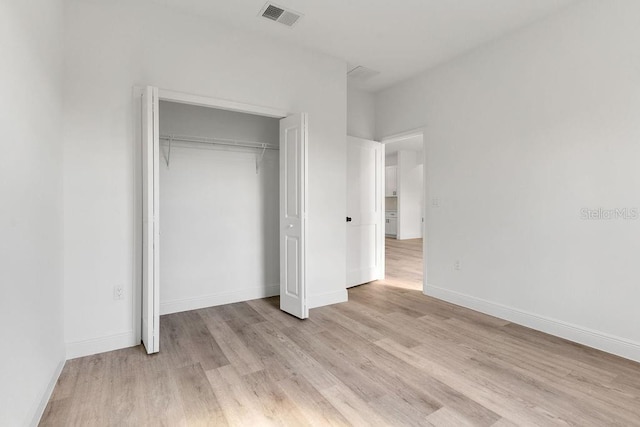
(361, 73)
(279, 14)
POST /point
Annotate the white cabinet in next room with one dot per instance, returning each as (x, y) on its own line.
(391, 223)
(391, 181)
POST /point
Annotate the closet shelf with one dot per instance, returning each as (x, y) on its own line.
(220, 141)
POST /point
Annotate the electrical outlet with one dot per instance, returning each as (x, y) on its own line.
(457, 265)
(435, 202)
(118, 293)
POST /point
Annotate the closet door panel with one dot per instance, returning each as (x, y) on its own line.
(150, 234)
(293, 211)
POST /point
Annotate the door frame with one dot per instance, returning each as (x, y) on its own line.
(396, 137)
(181, 98)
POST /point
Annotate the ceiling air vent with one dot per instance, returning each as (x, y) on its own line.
(279, 14)
(361, 73)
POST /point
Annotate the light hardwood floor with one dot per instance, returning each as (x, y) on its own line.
(389, 356)
(403, 266)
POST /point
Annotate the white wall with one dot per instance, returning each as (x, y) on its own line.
(111, 46)
(522, 134)
(219, 219)
(410, 195)
(391, 159)
(360, 113)
(31, 215)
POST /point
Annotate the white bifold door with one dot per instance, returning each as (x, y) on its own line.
(293, 215)
(150, 208)
(365, 211)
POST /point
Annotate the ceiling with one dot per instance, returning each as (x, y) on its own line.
(413, 143)
(397, 38)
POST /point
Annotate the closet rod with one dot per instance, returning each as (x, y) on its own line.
(220, 141)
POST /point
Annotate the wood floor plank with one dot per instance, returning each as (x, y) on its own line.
(161, 400)
(67, 381)
(357, 411)
(332, 318)
(234, 349)
(385, 369)
(201, 407)
(335, 361)
(238, 402)
(88, 404)
(259, 346)
(275, 405)
(202, 347)
(290, 353)
(174, 340)
(381, 303)
(270, 308)
(390, 356)
(503, 422)
(461, 378)
(124, 395)
(447, 417)
(56, 411)
(240, 312)
(315, 407)
(368, 317)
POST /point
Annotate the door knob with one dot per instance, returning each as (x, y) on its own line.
(348, 219)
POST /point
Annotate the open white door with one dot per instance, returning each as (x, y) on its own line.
(150, 207)
(293, 215)
(365, 211)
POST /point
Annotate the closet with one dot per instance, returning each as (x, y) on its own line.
(223, 207)
(218, 206)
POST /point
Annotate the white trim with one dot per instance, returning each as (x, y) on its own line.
(101, 345)
(328, 298)
(383, 213)
(403, 135)
(426, 197)
(589, 337)
(136, 290)
(223, 104)
(42, 405)
(186, 304)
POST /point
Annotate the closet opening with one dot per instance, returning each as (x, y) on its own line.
(218, 207)
(223, 206)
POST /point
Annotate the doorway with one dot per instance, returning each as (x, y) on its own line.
(404, 210)
(385, 211)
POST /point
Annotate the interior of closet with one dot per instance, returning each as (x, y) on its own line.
(219, 207)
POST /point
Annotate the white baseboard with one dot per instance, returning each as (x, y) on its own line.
(101, 345)
(187, 304)
(320, 300)
(42, 405)
(589, 337)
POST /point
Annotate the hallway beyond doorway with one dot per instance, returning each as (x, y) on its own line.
(403, 263)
